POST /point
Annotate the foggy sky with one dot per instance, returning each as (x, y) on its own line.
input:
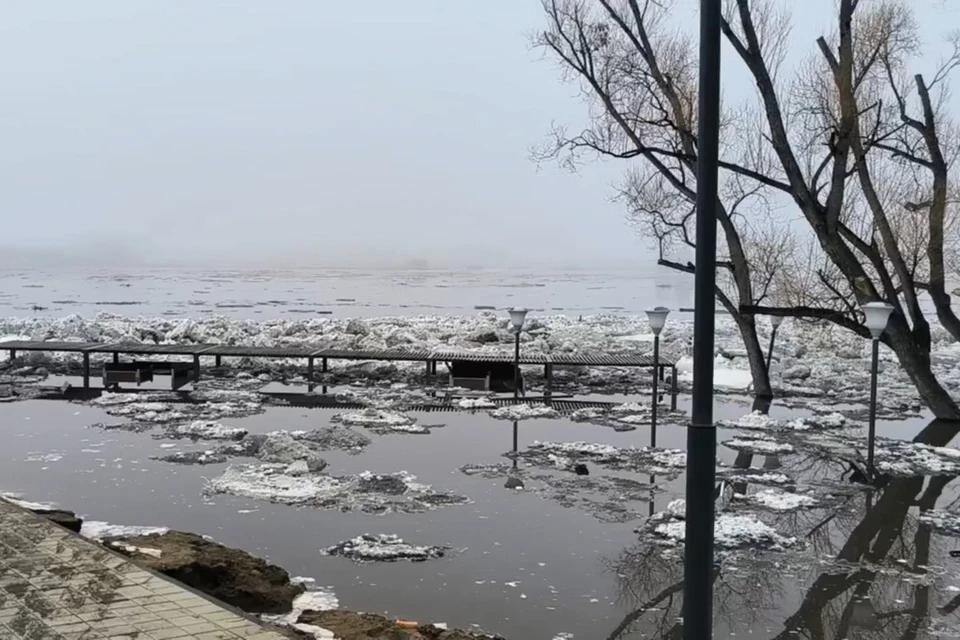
(301, 132)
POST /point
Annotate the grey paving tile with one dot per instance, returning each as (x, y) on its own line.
(57, 586)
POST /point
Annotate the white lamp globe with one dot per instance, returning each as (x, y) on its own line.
(657, 318)
(876, 315)
(517, 316)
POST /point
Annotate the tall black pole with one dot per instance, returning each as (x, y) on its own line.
(773, 338)
(872, 431)
(656, 379)
(702, 433)
(516, 369)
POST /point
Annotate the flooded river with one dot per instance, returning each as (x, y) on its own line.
(566, 554)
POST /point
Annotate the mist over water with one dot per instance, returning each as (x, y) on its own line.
(303, 293)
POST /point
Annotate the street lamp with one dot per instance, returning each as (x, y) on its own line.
(876, 315)
(775, 322)
(698, 565)
(657, 318)
(517, 316)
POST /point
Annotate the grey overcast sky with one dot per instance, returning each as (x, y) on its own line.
(301, 131)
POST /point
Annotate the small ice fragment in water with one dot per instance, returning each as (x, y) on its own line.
(384, 548)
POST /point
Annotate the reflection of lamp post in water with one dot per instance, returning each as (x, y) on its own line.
(517, 316)
(513, 482)
(775, 322)
(657, 317)
(876, 315)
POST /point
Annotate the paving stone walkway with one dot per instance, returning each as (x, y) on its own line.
(57, 586)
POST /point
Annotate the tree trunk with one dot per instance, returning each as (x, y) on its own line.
(762, 391)
(915, 360)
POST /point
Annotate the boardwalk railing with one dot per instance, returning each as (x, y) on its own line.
(312, 353)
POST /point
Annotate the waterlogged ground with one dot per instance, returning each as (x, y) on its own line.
(803, 551)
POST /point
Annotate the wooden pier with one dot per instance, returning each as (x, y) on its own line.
(311, 354)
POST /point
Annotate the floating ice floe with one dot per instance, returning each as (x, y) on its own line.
(763, 422)
(524, 412)
(944, 522)
(754, 476)
(367, 492)
(624, 417)
(731, 530)
(98, 530)
(489, 471)
(209, 456)
(760, 446)
(777, 500)
(335, 437)
(476, 403)
(144, 410)
(132, 427)
(904, 459)
(207, 430)
(281, 448)
(641, 460)
(382, 421)
(35, 456)
(384, 548)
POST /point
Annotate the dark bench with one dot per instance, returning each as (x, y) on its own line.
(483, 376)
(139, 372)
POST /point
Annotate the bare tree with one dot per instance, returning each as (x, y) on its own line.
(860, 149)
(640, 81)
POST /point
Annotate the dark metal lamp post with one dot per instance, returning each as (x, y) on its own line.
(517, 316)
(876, 315)
(698, 565)
(775, 322)
(657, 317)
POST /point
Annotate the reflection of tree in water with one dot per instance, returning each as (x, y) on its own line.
(869, 565)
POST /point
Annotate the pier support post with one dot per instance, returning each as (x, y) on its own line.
(673, 388)
(324, 365)
(13, 354)
(217, 362)
(116, 357)
(196, 367)
(428, 369)
(86, 371)
(548, 374)
(309, 369)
